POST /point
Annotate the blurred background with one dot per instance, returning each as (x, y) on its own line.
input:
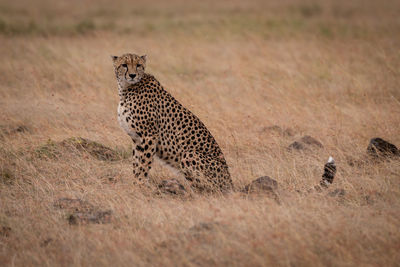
(203, 19)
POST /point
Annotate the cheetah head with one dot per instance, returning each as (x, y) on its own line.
(129, 68)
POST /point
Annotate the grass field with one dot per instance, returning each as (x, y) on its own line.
(328, 69)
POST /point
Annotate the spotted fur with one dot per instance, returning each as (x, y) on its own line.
(161, 127)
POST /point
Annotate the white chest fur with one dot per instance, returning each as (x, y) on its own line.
(126, 124)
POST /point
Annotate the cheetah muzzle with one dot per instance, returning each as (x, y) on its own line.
(160, 127)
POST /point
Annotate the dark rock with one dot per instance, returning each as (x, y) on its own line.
(263, 183)
(172, 186)
(329, 173)
(305, 142)
(380, 148)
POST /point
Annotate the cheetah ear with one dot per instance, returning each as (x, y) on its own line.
(114, 58)
(144, 57)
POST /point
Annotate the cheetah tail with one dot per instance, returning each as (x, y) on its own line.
(329, 173)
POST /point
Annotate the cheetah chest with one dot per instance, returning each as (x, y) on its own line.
(125, 121)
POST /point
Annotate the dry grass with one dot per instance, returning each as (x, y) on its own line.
(327, 69)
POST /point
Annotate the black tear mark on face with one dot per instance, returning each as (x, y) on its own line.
(122, 72)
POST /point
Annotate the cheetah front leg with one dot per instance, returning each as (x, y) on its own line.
(143, 155)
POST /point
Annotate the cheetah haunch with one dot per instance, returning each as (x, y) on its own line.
(161, 127)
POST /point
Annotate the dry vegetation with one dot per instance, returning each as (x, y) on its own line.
(327, 69)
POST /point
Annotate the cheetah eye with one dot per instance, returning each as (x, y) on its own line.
(124, 65)
(138, 66)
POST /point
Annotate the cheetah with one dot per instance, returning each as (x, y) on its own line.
(162, 128)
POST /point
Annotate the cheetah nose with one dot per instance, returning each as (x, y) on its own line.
(132, 76)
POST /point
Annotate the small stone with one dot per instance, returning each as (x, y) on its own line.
(381, 148)
(264, 183)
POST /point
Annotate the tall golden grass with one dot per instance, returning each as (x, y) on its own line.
(327, 69)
